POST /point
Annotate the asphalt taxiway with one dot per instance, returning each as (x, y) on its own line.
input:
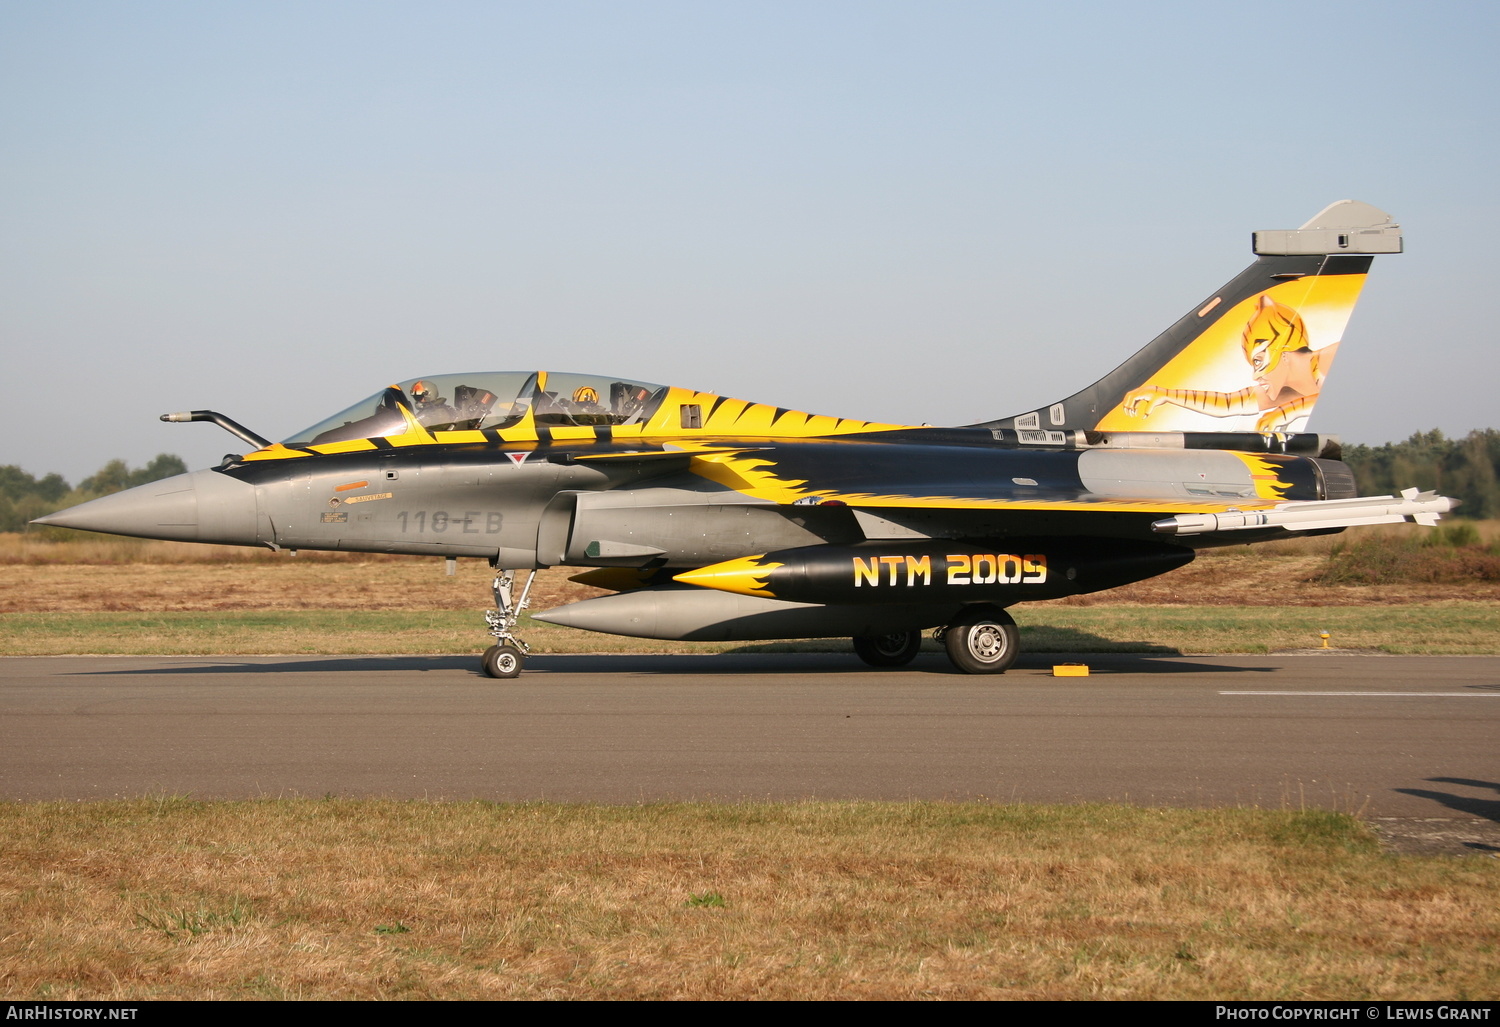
(1408, 737)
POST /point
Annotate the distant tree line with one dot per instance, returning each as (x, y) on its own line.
(23, 496)
(1467, 469)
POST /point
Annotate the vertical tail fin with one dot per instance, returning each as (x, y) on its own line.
(1252, 357)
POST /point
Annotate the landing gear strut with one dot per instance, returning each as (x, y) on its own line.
(505, 657)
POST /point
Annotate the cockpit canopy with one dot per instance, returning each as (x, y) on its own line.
(494, 399)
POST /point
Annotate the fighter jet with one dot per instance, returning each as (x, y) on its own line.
(711, 518)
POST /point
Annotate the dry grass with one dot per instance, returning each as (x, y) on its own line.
(371, 899)
(105, 573)
(41, 581)
(62, 545)
(1308, 572)
(1451, 555)
(324, 632)
(1455, 628)
(106, 595)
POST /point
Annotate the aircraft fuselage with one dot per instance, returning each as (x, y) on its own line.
(536, 506)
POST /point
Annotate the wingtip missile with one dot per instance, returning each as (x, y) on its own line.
(1411, 507)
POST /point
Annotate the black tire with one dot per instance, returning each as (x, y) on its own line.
(983, 640)
(893, 649)
(502, 661)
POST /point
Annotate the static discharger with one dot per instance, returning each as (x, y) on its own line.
(1070, 670)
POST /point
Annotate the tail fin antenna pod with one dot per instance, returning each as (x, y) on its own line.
(1254, 356)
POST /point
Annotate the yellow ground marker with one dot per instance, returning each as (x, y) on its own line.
(1070, 670)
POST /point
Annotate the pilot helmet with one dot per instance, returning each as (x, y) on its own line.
(425, 392)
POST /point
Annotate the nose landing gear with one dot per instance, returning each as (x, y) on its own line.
(505, 658)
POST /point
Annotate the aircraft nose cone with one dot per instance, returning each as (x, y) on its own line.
(204, 506)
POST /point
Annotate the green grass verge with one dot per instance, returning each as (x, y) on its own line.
(1443, 628)
(1461, 628)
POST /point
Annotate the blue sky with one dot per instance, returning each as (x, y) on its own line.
(922, 212)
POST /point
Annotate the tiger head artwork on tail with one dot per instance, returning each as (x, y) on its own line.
(1254, 356)
(1287, 373)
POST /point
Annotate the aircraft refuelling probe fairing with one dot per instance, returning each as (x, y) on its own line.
(712, 517)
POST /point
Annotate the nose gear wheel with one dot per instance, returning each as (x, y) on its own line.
(505, 658)
(502, 661)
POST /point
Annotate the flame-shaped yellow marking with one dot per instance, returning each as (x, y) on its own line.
(746, 575)
(1266, 476)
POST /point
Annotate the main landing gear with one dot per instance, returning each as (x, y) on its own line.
(896, 649)
(982, 639)
(505, 657)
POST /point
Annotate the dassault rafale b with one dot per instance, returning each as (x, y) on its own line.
(718, 519)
